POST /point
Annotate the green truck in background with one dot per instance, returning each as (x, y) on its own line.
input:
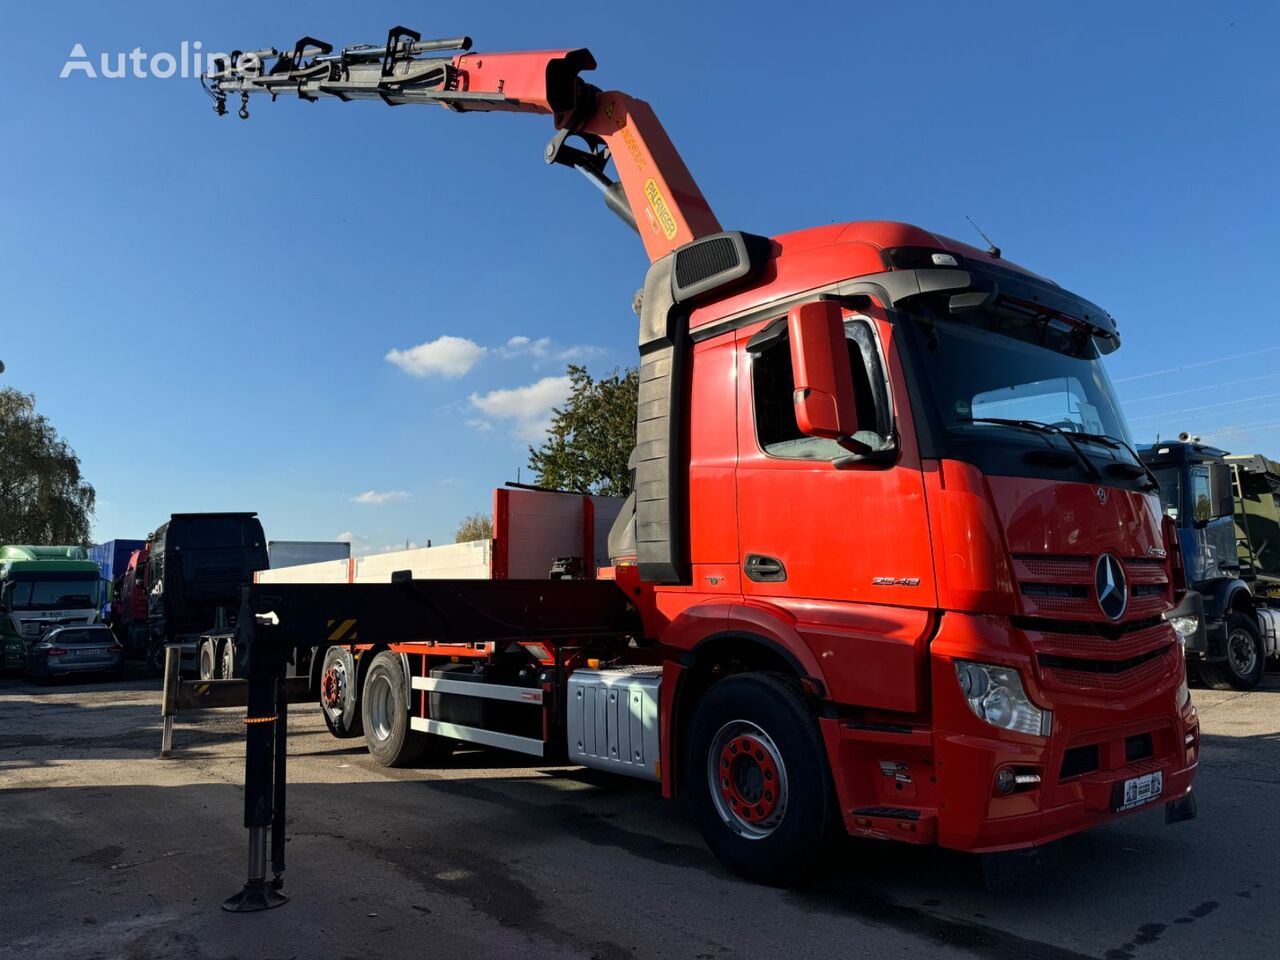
(41, 588)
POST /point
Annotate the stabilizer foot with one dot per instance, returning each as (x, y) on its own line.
(256, 895)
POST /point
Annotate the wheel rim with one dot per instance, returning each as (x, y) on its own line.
(1243, 652)
(333, 688)
(381, 706)
(228, 663)
(747, 779)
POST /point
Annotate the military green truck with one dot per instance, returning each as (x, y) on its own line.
(41, 588)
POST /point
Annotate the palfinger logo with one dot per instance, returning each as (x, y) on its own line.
(659, 204)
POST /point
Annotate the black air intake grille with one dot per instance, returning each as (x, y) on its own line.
(699, 261)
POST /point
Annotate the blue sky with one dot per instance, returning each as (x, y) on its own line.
(205, 307)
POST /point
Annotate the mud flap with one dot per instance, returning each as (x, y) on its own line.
(1001, 869)
(1180, 810)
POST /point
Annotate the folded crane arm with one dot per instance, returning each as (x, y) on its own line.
(653, 191)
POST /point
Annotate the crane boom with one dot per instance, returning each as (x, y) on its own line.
(654, 191)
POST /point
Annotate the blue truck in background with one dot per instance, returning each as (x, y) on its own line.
(112, 557)
(1202, 492)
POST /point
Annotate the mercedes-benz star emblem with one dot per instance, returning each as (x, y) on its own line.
(1113, 590)
(1101, 494)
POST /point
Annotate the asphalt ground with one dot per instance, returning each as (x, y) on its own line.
(109, 852)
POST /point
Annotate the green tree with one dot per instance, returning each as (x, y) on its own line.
(591, 436)
(43, 497)
(478, 526)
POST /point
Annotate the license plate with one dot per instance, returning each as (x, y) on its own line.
(1137, 791)
(94, 652)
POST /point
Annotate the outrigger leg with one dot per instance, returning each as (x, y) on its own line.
(266, 732)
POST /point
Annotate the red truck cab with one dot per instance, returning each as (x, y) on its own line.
(968, 590)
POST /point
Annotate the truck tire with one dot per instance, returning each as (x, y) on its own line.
(758, 777)
(339, 693)
(227, 661)
(1242, 669)
(384, 710)
(155, 656)
(208, 661)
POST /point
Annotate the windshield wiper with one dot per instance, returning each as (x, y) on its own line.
(1117, 444)
(1039, 426)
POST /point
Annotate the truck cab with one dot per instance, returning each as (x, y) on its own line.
(1197, 495)
(925, 503)
(196, 566)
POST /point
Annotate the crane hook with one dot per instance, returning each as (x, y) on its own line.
(244, 105)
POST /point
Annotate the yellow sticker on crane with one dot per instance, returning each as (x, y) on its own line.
(659, 204)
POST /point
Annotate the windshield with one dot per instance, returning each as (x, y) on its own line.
(54, 594)
(1170, 479)
(1010, 365)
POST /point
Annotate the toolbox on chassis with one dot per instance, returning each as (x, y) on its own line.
(890, 563)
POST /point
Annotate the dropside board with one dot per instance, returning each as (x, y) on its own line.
(555, 612)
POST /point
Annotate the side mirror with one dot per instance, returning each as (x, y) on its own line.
(820, 368)
(5, 590)
(1221, 494)
(109, 591)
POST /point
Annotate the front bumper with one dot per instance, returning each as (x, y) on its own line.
(937, 783)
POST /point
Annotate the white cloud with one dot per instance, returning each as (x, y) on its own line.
(393, 547)
(528, 408)
(520, 346)
(482, 426)
(444, 356)
(581, 351)
(359, 544)
(379, 497)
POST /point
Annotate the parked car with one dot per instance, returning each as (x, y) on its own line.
(74, 649)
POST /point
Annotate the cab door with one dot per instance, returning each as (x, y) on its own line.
(842, 545)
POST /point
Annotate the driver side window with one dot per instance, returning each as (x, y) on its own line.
(772, 386)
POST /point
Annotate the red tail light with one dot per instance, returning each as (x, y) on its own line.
(57, 652)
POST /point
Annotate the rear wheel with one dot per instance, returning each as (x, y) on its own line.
(1242, 669)
(208, 661)
(758, 774)
(384, 710)
(339, 693)
(227, 661)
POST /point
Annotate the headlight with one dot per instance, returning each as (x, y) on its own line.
(1185, 627)
(995, 695)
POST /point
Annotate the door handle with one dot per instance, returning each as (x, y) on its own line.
(764, 569)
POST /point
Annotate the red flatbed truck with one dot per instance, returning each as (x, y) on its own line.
(890, 564)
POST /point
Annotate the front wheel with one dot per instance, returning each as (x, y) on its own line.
(758, 774)
(1242, 669)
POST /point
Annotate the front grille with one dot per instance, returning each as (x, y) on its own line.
(1063, 586)
(1106, 676)
(1103, 644)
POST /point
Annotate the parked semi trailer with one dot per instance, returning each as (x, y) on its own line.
(890, 565)
(1225, 512)
(42, 587)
